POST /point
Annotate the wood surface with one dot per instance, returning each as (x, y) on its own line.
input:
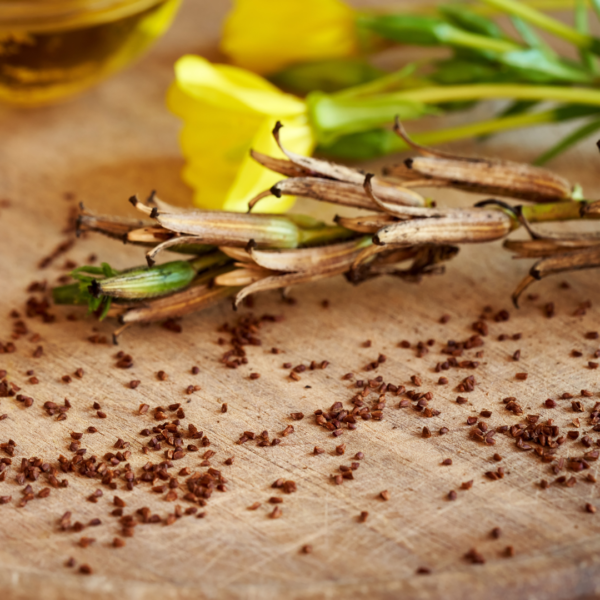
(119, 139)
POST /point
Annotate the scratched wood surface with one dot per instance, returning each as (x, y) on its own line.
(118, 140)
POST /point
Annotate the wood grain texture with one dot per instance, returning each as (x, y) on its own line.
(119, 140)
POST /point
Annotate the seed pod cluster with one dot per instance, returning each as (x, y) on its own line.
(238, 255)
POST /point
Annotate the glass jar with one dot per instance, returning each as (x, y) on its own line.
(50, 49)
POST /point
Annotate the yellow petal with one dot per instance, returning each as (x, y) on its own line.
(267, 35)
(228, 88)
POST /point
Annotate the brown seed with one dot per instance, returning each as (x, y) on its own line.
(496, 532)
(416, 380)
(224, 407)
(442, 381)
(475, 557)
(341, 449)
(306, 549)
(497, 457)
(452, 495)
(101, 415)
(364, 515)
(134, 383)
(143, 409)
(517, 355)
(318, 450)
(509, 551)
(593, 365)
(118, 542)
(277, 512)
(590, 508)
(195, 370)
(591, 335)
(254, 506)
(447, 461)
(549, 403)
(461, 400)
(521, 376)
(85, 569)
(385, 495)
(162, 376)
(254, 375)
(426, 433)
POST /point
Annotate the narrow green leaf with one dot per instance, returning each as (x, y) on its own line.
(461, 16)
(582, 25)
(534, 62)
(326, 75)
(567, 142)
(105, 308)
(430, 31)
(530, 37)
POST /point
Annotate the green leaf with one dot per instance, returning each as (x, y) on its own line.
(105, 308)
(456, 71)
(471, 21)
(430, 31)
(326, 75)
(530, 37)
(535, 63)
(567, 142)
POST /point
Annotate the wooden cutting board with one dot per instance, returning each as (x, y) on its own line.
(118, 140)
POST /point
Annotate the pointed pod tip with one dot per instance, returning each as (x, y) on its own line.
(278, 126)
(408, 163)
(151, 262)
(251, 245)
(133, 200)
(154, 213)
(115, 339)
(377, 241)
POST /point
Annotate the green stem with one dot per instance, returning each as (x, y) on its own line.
(560, 211)
(471, 130)
(549, 24)
(458, 93)
(324, 235)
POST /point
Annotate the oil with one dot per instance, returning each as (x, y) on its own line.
(53, 55)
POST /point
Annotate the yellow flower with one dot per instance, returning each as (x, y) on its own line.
(267, 35)
(226, 112)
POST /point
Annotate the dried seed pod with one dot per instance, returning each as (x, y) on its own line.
(484, 176)
(283, 281)
(469, 226)
(310, 259)
(587, 258)
(545, 247)
(237, 229)
(340, 192)
(137, 231)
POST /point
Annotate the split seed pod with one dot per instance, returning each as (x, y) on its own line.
(480, 175)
